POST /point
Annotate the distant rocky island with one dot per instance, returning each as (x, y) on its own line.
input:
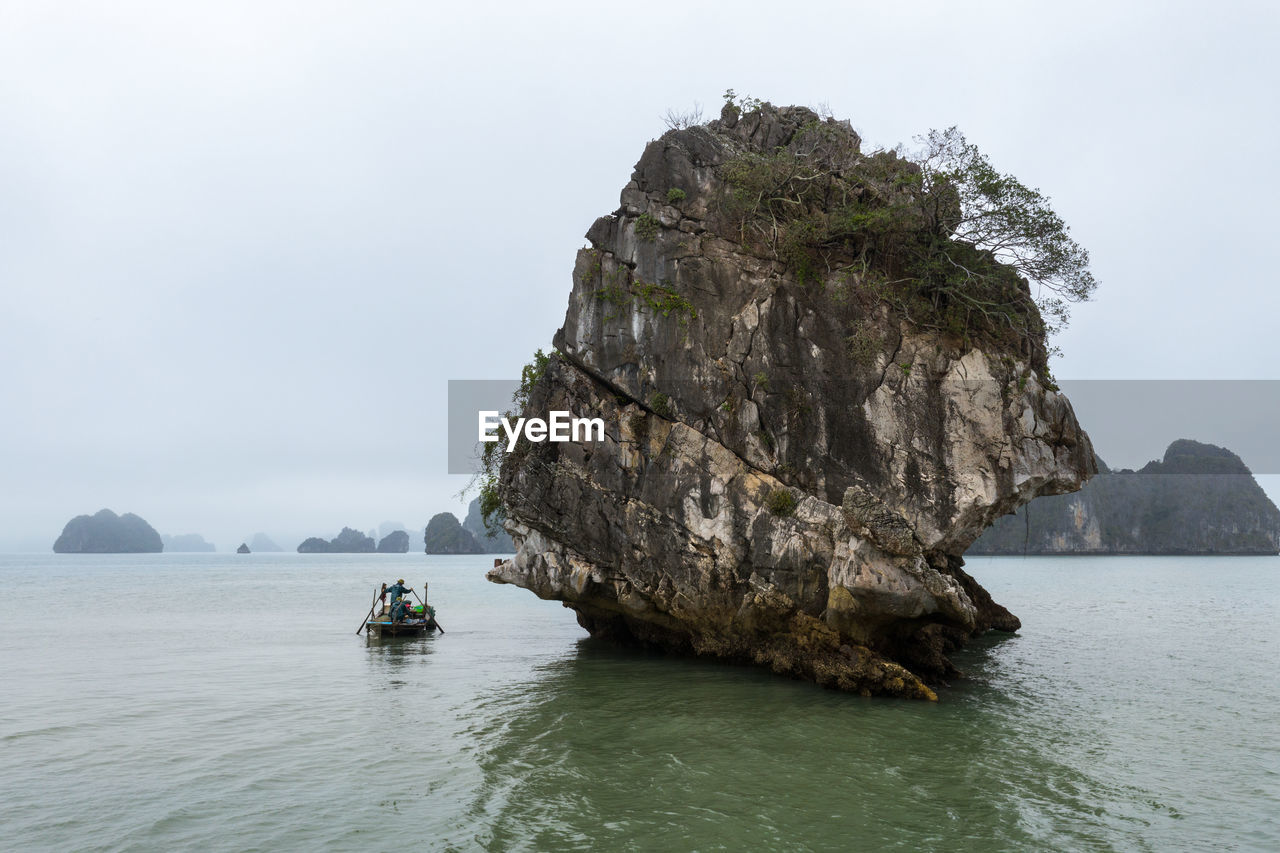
(351, 541)
(104, 532)
(1198, 499)
(262, 542)
(446, 535)
(186, 542)
(243, 549)
(497, 541)
(395, 542)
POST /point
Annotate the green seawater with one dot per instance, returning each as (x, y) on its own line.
(224, 702)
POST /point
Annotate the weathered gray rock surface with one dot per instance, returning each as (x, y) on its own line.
(761, 495)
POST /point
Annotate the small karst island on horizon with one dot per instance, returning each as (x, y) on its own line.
(108, 533)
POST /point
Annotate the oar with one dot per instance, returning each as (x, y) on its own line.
(424, 606)
(365, 623)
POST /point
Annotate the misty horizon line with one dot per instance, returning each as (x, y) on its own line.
(287, 542)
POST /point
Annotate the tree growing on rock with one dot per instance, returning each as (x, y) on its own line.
(938, 234)
(998, 214)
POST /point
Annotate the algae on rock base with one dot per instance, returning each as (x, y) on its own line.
(734, 384)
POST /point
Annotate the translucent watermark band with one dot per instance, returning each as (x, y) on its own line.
(1130, 421)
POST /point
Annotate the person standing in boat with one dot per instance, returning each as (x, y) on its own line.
(398, 590)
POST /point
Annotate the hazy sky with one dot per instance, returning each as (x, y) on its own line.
(244, 245)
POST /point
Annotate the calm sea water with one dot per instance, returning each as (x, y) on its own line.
(218, 702)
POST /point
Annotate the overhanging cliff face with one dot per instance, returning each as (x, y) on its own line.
(791, 469)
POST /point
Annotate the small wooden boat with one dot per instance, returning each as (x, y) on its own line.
(417, 622)
(401, 618)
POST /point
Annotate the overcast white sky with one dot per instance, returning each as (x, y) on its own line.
(244, 245)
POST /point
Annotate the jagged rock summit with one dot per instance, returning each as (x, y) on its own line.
(794, 459)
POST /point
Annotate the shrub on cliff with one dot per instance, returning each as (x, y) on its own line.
(938, 234)
(491, 459)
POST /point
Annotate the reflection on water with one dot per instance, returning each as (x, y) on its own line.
(391, 648)
(614, 749)
(393, 660)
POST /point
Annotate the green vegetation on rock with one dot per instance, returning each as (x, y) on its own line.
(647, 227)
(939, 235)
(781, 502)
(493, 453)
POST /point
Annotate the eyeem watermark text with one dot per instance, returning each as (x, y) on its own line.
(559, 426)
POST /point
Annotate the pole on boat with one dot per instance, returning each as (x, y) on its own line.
(423, 599)
(424, 606)
(365, 623)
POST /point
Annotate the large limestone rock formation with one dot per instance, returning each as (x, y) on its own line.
(792, 468)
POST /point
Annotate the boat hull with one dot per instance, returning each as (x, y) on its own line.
(407, 628)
